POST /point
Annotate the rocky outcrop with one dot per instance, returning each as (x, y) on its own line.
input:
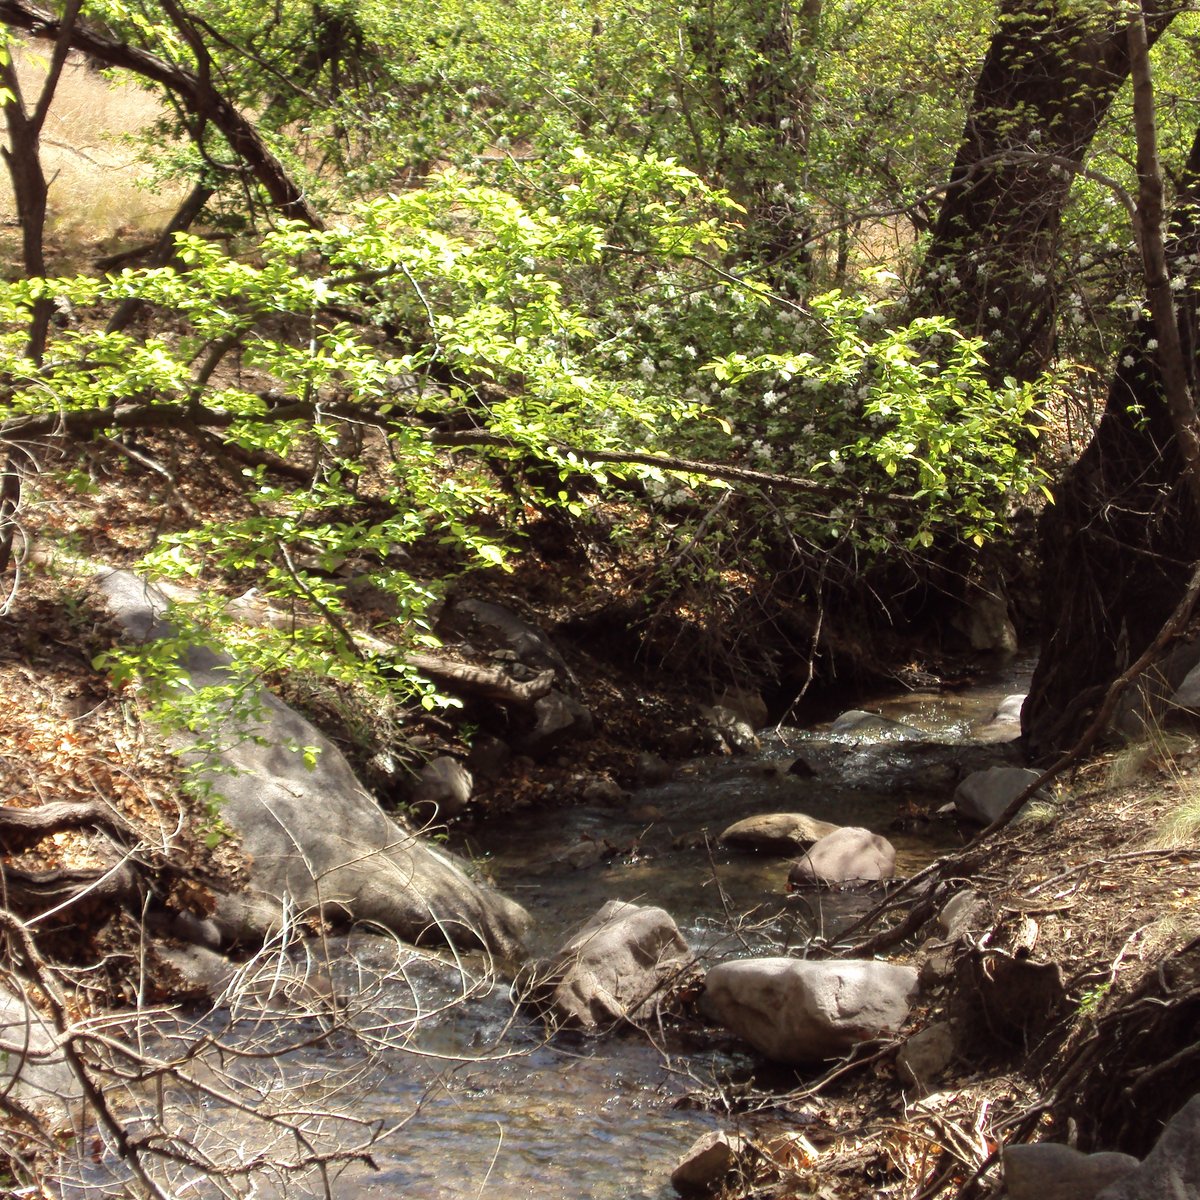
(848, 857)
(317, 841)
(612, 970)
(776, 833)
(796, 1011)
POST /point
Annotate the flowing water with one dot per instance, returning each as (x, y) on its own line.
(528, 1119)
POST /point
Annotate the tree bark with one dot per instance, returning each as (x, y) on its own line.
(1046, 84)
(1120, 542)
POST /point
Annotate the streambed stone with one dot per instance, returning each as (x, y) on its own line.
(795, 1011)
(776, 833)
(844, 858)
(33, 1070)
(709, 1163)
(612, 970)
(984, 795)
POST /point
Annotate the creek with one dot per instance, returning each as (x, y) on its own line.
(599, 1119)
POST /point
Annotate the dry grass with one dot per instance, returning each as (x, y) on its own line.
(98, 188)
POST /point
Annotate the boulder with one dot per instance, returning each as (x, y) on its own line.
(611, 970)
(1047, 1171)
(709, 1164)
(845, 857)
(318, 843)
(776, 833)
(1171, 1171)
(984, 795)
(926, 1055)
(795, 1011)
(443, 789)
(33, 1070)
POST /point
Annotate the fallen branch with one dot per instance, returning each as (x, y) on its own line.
(22, 827)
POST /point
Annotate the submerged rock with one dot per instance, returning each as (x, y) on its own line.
(613, 969)
(844, 858)
(318, 843)
(776, 833)
(795, 1011)
(859, 724)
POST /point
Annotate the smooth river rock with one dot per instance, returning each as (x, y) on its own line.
(776, 833)
(613, 969)
(317, 841)
(846, 857)
(796, 1011)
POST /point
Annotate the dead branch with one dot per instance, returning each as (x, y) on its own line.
(22, 827)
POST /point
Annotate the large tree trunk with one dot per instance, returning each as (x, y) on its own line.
(1120, 543)
(1046, 85)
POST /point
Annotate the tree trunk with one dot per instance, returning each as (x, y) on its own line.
(1046, 84)
(1120, 542)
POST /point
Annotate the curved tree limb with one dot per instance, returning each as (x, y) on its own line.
(196, 93)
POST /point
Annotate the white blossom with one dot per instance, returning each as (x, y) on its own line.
(1127, 361)
(647, 368)
(1152, 343)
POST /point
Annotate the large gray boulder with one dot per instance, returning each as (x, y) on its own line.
(33, 1069)
(1171, 1171)
(795, 1011)
(612, 970)
(984, 795)
(844, 858)
(317, 841)
(776, 833)
(1048, 1171)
